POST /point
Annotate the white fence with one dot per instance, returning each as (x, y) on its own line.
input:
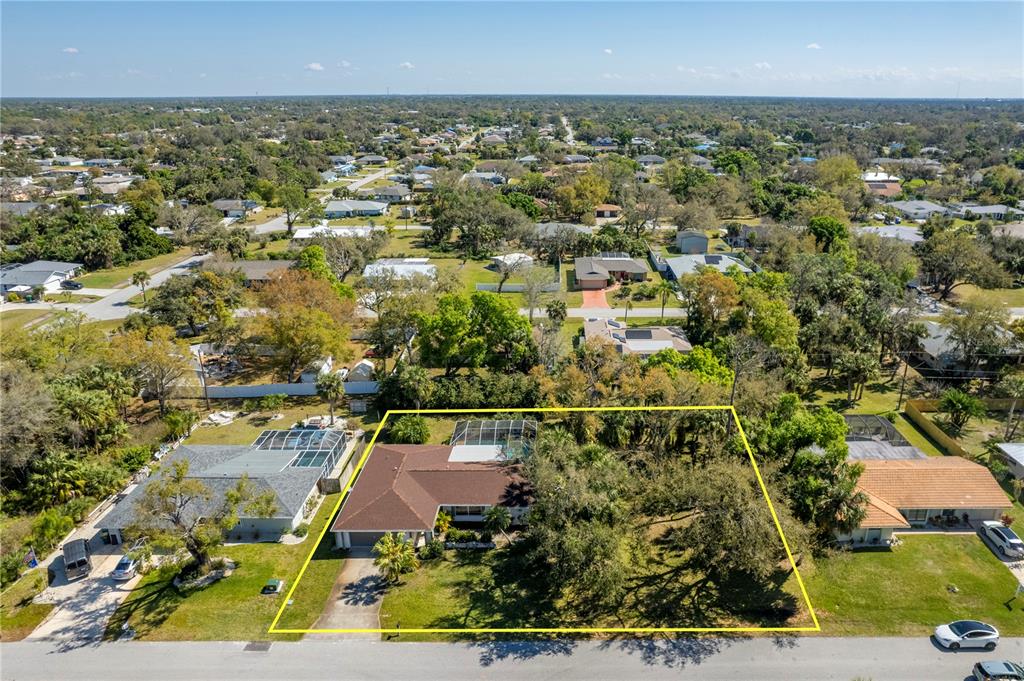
(228, 392)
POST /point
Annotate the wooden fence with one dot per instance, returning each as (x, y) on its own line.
(915, 410)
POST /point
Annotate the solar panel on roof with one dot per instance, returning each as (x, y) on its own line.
(639, 334)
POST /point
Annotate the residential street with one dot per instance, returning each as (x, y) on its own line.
(611, 312)
(756, 659)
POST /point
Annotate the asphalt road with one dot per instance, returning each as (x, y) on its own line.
(755, 659)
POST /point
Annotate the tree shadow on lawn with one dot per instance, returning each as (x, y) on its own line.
(146, 609)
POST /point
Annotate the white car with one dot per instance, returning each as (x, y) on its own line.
(1004, 539)
(125, 569)
(967, 634)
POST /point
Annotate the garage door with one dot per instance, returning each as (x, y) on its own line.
(364, 538)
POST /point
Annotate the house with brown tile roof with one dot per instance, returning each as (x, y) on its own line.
(401, 489)
(934, 492)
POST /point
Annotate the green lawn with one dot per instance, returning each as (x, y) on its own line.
(407, 245)
(905, 591)
(119, 277)
(18, 615)
(233, 609)
(68, 297)
(14, 319)
(879, 396)
(1010, 297)
(916, 437)
(245, 430)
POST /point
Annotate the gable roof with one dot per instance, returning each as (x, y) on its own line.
(401, 487)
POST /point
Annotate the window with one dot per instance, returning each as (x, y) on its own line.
(916, 515)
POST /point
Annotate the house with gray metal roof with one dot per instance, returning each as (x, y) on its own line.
(403, 268)
(918, 210)
(595, 272)
(642, 342)
(45, 273)
(682, 265)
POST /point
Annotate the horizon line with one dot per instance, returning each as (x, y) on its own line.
(398, 95)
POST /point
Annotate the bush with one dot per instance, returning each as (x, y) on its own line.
(50, 527)
(272, 402)
(101, 479)
(13, 298)
(410, 429)
(78, 508)
(132, 459)
(459, 536)
(432, 550)
(10, 568)
(301, 530)
(179, 422)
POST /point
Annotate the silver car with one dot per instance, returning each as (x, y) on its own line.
(967, 634)
(1004, 539)
(125, 569)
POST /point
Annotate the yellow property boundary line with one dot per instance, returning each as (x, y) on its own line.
(552, 630)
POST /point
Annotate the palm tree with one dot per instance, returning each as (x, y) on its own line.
(628, 306)
(664, 289)
(332, 388)
(394, 555)
(443, 522)
(141, 278)
(1017, 485)
(498, 519)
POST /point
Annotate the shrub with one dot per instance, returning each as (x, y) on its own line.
(890, 416)
(132, 459)
(301, 530)
(13, 298)
(78, 508)
(460, 536)
(10, 568)
(432, 550)
(960, 407)
(179, 422)
(272, 402)
(101, 480)
(50, 527)
(410, 429)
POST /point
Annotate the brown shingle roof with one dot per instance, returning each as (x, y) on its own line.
(402, 486)
(935, 482)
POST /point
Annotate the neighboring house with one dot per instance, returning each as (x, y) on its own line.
(936, 491)
(371, 160)
(648, 160)
(938, 352)
(259, 271)
(909, 234)
(996, 212)
(402, 268)
(67, 161)
(918, 210)
(512, 260)
(19, 208)
(748, 236)
(352, 208)
(316, 369)
(402, 488)
(1013, 455)
(691, 241)
(102, 162)
(528, 159)
(396, 193)
(235, 208)
(698, 161)
(552, 229)
(328, 176)
(607, 210)
(596, 272)
(605, 142)
(305, 234)
(575, 158)
(341, 160)
(484, 177)
(289, 463)
(881, 184)
(48, 274)
(682, 265)
(492, 140)
(642, 342)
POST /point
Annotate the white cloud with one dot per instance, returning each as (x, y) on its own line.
(813, 46)
(686, 69)
(607, 50)
(314, 66)
(344, 63)
(70, 50)
(763, 66)
(611, 76)
(407, 65)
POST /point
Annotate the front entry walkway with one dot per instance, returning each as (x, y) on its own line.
(355, 598)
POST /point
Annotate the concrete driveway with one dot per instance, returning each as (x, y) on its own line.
(84, 605)
(355, 598)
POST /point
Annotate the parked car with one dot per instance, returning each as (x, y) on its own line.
(967, 634)
(998, 670)
(125, 569)
(1004, 539)
(77, 563)
(70, 285)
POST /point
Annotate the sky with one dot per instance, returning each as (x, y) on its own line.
(239, 48)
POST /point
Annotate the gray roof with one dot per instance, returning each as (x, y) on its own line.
(689, 264)
(18, 207)
(49, 266)
(259, 270)
(900, 232)
(36, 273)
(354, 206)
(917, 207)
(552, 228)
(597, 267)
(650, 158)
(1013, 450)
(220, 467)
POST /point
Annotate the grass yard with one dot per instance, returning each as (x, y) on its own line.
(407, 245)
(879, 396)
(233, 609)
(274, 246)
(904, 592)
(18, 614)
(977, 431)
(15, 319)
(1009, 297)
(68, 297)
(119, 277)
(244, 430)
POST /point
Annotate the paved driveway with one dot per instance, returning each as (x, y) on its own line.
(83, 606)
(355, 598)
(595, 299)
